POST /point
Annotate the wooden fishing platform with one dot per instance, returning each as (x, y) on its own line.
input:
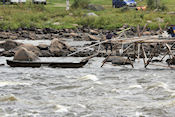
(139, 46)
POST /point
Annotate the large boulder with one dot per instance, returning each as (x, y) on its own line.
(59, 48)
(29, 47)
(22, 54)
(9, 44)
(55, 47)
(118, 60)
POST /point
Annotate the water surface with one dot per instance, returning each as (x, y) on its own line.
(92, 91)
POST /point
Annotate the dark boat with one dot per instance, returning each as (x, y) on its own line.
(14, 63)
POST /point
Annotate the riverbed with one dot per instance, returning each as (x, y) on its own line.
(91, 91)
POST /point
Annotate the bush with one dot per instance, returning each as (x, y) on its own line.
(156, 4)
(150, 4)
(80, 4)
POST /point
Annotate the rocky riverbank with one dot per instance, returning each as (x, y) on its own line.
(82, 34)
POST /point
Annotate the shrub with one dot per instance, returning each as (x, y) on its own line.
(156, 4)
(80, 4)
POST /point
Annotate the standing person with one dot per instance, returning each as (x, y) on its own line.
(4, 1)
(108, 44)
(114, 3)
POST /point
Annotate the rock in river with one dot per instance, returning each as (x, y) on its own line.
(118, 60)
(59, 48)
(9, 44)
(29, 47)
(22, 54)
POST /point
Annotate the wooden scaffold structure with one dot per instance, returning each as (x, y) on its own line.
(145, 47)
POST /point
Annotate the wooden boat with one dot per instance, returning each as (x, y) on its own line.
(14, 63)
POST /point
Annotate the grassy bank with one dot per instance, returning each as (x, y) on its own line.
(54, 15)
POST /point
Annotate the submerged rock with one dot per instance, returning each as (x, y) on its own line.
(22, 54)
(118, 60)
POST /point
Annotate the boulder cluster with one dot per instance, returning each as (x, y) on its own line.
(29, 52)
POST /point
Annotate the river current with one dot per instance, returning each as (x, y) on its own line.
(91, 91)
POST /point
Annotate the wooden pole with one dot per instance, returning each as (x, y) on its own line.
(169, 49)
(127, 48)
(131, 62)
(145, 57)
(135, 46)
(104, 61)
(143, 29)
(138, 52)
(164, 56)
(138, 30)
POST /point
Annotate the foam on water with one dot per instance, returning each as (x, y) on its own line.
(61, 109)
(89, 77)
(135, 87)
(5, 83)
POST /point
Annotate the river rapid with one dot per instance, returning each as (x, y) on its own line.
(91, 91)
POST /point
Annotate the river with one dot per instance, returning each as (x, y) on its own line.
(91, 91)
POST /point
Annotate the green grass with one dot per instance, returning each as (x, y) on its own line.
(54, 15)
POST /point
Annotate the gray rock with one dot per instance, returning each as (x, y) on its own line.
(91, 14)
(29, 47)
(171, 61)
(45, 53)
(9, 44)
(118, 60)
(24, 55)
(43, 46)
(55, 47)
(8, 53)
(160, 20)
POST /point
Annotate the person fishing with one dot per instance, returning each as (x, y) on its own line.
(108, 44)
